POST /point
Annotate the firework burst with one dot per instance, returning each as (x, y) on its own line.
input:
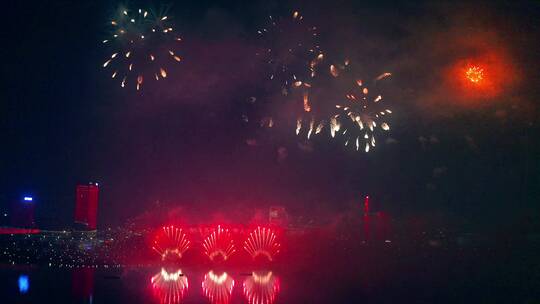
(219, 245)
(169, 287)
(261, 287)
(171, 243)
(262, 242)
(313, 99)
(356, 112)
(475, 74)
(142, 45)
(290, 50)
(362, 113)
(218, 288)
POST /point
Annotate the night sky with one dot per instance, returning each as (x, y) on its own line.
(471, 157)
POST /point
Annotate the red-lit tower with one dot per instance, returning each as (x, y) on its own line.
(366, 205)
(86, 204)
(366, 223)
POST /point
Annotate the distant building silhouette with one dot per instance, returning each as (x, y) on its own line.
(22, 213)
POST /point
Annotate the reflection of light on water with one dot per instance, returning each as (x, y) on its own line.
(261, 287)
(218, 288)
(169, 287)
(24, 284)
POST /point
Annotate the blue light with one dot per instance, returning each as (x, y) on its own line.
(28, 199)
(24, 284)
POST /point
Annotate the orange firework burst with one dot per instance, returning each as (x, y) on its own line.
(476, 80)
(475, 74)
(171, 243)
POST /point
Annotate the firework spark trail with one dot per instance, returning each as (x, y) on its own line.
(314, 112)
(261, 287)
(142, 43)
(219, 244)
(218, 288)
(383, 75)
(262, 241)
(171, 242)
(169, 287)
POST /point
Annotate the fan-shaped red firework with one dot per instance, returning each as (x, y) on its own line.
(219, 244)
(171, 243)
(261, 287)
(218, 288)
(262, 241)
(169, 287)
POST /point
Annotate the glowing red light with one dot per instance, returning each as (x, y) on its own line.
(366, 205)
(262, 242)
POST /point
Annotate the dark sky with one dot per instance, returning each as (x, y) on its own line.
(473, 155)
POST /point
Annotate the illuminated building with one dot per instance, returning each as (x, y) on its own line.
(22, 212)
